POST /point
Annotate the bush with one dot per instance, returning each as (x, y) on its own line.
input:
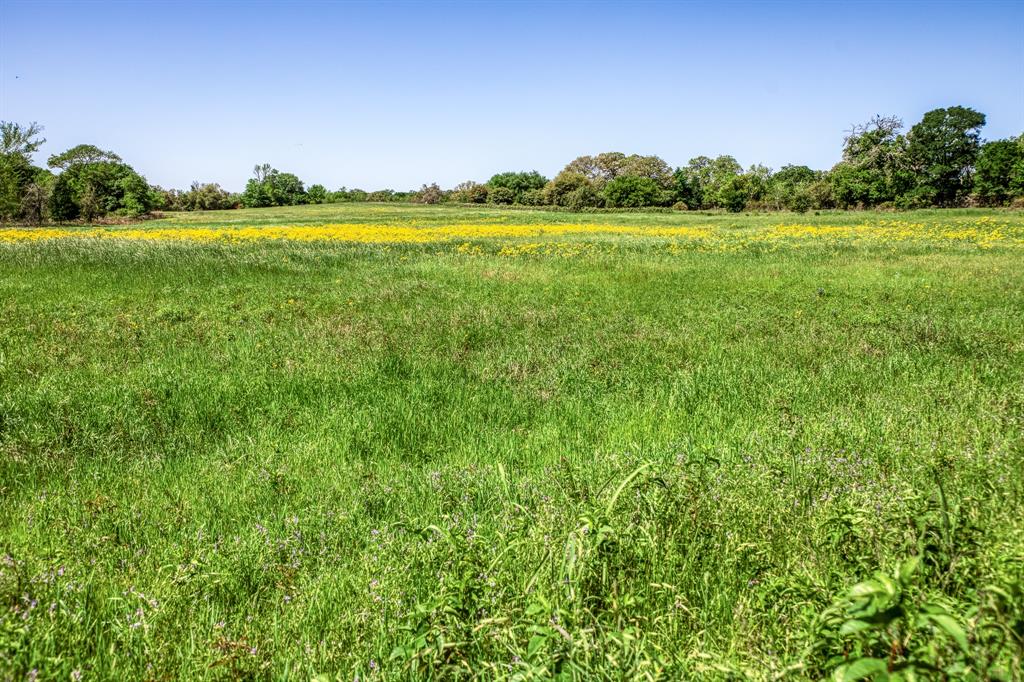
(583, 197)
(502, 195)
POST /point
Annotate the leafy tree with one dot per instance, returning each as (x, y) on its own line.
(381, 195)
(533, 197)
(62, 200)
(994, 172)
(97, 183)
(706, 179)
(518, 183)
(942, 149)
(17, 144)
(874, 169)
(604, 168)
(21, 140)
(632, 191)
(790, 188)
(736, 192)
(36, 197)
(576, 184)
(502, 195)
(430, 194)
(316, 194)
(83, 154)
(470, 192)
(271, 187)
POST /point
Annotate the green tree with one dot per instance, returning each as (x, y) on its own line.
(21, 140)
(98, 182)
(942, 149)
(632, 191)
(517, 183)
(17, 145)
(874, 169)
(502, 195)
(790, 188)
(572, 189)
(995, 170)
(81, 155)
(271, 187)
(316, 194)
(62, 200)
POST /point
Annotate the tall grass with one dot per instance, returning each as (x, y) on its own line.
(281, 460)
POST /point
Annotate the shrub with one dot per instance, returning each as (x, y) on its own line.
(502, 195)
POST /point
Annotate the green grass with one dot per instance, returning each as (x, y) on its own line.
(282, 460)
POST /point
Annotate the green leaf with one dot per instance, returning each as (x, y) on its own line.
(864, 668)
(948, 625)
(908, 568)
(852, 626)
(534, 645)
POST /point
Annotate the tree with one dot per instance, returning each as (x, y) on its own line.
(271, 187)
(93, 183)
(430, 194)
(517, 183)
(83, 154)
(790, 188)
(317, 194)
(502, 195)
(706, 179)
(17, 144)
(633, 191)
(470, 192)
(995, 170)
(570, 187)
(874, 169)
(942, 149)
(21, 140)
(62, 200)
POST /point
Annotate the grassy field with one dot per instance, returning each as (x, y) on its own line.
(402, 442)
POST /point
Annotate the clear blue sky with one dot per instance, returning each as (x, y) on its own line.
(393, 95)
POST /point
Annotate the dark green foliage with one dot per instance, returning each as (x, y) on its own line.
(571, 189)
(200, 197)
(62, 200)
(17, 174)
(874, 169)
(631, 191)
(518, 183)
(502, 195)
(98, 183)
(82, 155)
(941, 151)
(705, 181)
(791, 189)
(271, 187)
(999, 172)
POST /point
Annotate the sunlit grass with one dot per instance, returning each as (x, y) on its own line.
(602, 446)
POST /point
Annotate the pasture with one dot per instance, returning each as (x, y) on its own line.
(410, 442)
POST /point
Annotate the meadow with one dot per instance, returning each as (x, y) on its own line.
(429, 442)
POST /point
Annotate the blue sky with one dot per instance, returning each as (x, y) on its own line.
(396, 94)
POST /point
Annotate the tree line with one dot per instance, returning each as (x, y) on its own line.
(941, 161)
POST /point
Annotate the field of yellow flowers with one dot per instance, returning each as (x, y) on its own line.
(714, 233)
(423, 442)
